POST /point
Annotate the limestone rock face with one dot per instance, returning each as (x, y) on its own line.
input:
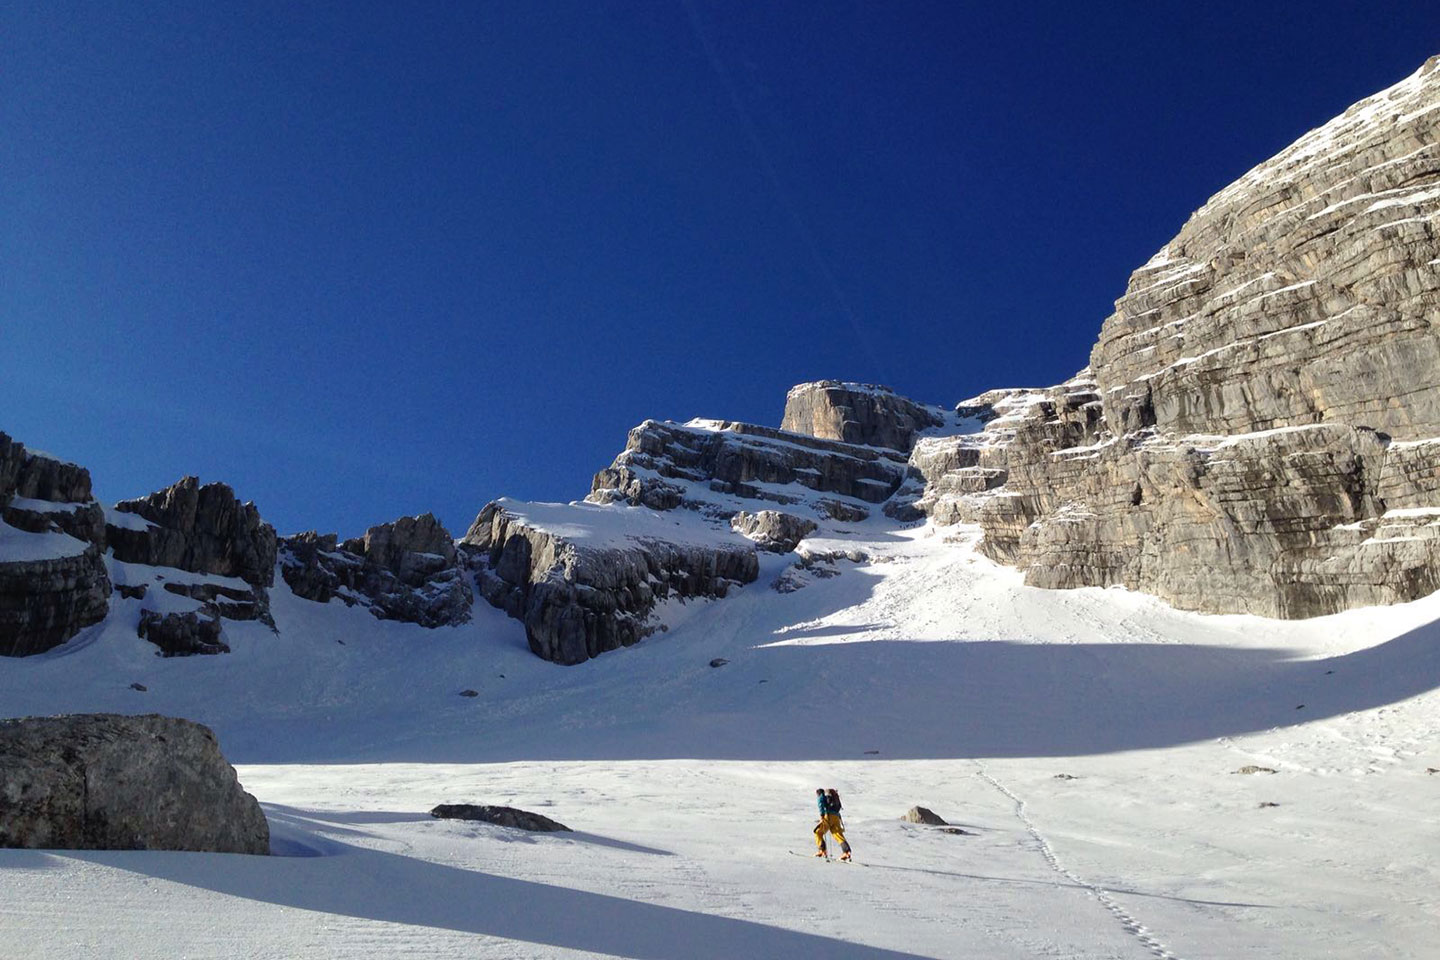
(406, 570)
(106, 782)
(1257, 430)
(581, 589)
(199, 529)
(771, 529)
(203, 530)
(717, 465)
(860, 413)
(45, 602)
(53, 580)
(1305, 292)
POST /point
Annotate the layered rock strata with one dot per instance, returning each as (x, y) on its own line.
(719, 466)
(182, 634)
(53, 580)
(1257, 428)
(203, 530)
(107, 782)
(585, 579)
(862, 413)
(406, 570)
(772, 530)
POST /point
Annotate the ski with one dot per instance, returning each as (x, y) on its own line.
(827, 859)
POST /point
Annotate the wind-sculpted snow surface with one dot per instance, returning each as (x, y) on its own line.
(1103, 817)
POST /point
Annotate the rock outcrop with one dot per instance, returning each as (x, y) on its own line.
(1257, 430)
(720, 466)
(924, 815)
(585, 578)
(53, 580)
(106, 782)
(772, 530)
(862, 413)
(200, 529)
(500, 816)
(182, 634)
(203, 530)
(405, 570)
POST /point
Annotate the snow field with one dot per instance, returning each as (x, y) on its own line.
(925, 676)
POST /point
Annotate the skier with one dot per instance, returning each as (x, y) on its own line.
(829, 803)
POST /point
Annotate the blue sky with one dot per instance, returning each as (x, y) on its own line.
(366, 260)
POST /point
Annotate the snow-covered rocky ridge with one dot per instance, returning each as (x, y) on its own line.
(1088, 741)
(1133, 780)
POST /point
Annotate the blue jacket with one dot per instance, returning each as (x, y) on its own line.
(822, 801)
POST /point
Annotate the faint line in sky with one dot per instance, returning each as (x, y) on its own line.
(773, 175)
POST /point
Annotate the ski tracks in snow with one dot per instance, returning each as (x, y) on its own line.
(1130, 925)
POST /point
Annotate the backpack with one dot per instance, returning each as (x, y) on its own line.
(832, 800)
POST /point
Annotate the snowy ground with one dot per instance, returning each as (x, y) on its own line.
(927, 675)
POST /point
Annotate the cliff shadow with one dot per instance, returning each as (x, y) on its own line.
(895, 699)
(354, 881)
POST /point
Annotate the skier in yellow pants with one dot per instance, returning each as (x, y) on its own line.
(829, 803)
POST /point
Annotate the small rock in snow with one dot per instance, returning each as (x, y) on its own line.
(1252, 768)
(501, 816)
(719, 662)
(469, 693)
(1268, 803)
(139, 686)
(924, 815)
(1066, 776)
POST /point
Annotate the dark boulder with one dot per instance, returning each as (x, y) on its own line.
(107, 782)
(182, 634)
(501, 816)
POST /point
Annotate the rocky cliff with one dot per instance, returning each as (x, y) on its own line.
(1259, 427)
(584, 578)
(53, 580)
(720, 466)
(405, 570)
(864, 413)
(1257, 430)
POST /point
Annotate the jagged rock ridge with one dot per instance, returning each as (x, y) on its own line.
(408, 569)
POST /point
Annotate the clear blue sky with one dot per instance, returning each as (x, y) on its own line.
(368, 259)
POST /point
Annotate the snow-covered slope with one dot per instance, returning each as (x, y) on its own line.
(922, 674)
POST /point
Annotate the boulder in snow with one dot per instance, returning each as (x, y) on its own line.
(500, 816)
(924, 815)
(107, 782)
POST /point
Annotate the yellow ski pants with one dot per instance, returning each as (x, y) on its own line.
(830, 822)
